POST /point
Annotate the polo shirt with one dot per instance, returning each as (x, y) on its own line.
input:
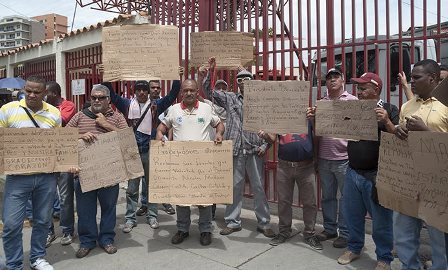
(194, 125)
(333, 148)
(432, 111)
(12, 115)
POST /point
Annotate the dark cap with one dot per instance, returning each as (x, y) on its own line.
(144, 85)
(369, 77)
(334, 71)
(244, 73)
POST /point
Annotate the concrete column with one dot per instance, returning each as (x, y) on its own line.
(60, 69)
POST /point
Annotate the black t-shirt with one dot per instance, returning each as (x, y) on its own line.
(363, 155)
(296, 147)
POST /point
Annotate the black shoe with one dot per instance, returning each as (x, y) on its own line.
(206, 238)
(142, 211)
(313, 242)
(228, 230)
(179, 237)
(340, 242)
(324, 236)
(82, 252)
(269, 233)
(169, 209)
(278, 239)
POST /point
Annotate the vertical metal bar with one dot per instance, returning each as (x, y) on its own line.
(412, 33)
(299, 35)
(388, 49)
(343, 68)
(319, 56)
(274, 41)
(291, 43)
(377, 52)
(221, 15)
(308, 37)
(400, 50)
(257, 40)
(282, 38)
(425, 43)
(364, 14)
(353, 45)
(439, 44)
(330, 32)
(265, 40)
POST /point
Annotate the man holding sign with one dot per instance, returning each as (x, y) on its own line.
(98, 118)
(422, 113)
(192, 120)
(40, 187)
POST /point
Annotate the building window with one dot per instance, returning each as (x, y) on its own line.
(18, 34)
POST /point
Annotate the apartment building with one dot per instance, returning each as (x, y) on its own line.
(17, 31)
(55, 24)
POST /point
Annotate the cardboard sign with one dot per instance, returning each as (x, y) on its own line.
(441, 92)
(191, 172)
(79, 87)
(38, 150)
(140, 52)
(347, 119)
(231, 49)
(276, 107)
(111, 159)
(413, 176)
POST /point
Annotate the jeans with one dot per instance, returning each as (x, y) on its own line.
(254, 166)
(184, 221)
(357, 201)
(18, 189)
(407, 241)
(87, 209)
(288, 174)
(332, 175)
(132, 194)
(66, 194)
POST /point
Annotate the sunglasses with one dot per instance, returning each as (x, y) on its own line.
(241, 80)
(94, 98)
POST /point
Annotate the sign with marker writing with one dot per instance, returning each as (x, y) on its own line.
(276, 107)
(347, 119)
(413, 176)
(111, 159)
(140, 52)
(38, 150)
(191, 172)
(230, 49)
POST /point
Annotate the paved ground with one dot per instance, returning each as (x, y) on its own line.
(145, 248)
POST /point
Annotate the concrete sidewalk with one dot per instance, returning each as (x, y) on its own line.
(145, 248)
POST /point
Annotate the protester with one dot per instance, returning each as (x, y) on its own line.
(30, 112)
(98, 119)
(295, 165)
(332, 165)
(191, 120)
(142, 113)
(64, 196)
(360, 195)
(422, 113)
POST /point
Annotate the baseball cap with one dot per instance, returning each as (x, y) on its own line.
(334, 71)
(220, 81)
(141, 85)
(244, 73)
(369, 77)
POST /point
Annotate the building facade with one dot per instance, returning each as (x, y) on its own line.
(17, 31)
(55, 24)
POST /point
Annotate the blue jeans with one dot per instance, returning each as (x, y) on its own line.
(253, 164)
(87, 209)
(66, 194)
(332, 176)
(18, 189)
(132, 194)
(357, 201)
(407, 241)
(184, 221)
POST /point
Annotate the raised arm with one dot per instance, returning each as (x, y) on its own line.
(165, 102)
(121, 103)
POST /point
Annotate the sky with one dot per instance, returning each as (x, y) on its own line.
(29, 8)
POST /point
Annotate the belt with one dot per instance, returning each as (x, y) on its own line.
(295, 163)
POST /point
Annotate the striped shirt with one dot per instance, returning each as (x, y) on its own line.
(13, 115)
(87, 124)
(333, 148)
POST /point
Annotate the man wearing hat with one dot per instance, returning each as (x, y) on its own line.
(142, 113)
(359, 188)
(248, 152)
(332, 164)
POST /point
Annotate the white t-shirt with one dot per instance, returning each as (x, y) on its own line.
(195, 125)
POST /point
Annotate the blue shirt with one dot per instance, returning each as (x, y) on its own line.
(296, 147)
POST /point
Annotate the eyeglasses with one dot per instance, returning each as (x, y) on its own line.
(241, 80)
(94, 98)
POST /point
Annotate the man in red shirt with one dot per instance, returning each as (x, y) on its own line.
(67, 108)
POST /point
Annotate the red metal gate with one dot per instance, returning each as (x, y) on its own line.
(43, 68)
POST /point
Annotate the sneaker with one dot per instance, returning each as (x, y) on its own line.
(169, 209)
(228, 230)
(179, 237)
(127, 228)
(110, 249)
(269, 233)
(41, 264)
(347, 257)
(82, 252)
(313, 242)
(142, 211)
(382, 266)
(324, 236)
(340, 242)
(50, 238)
(67, 239)
(278, 239)
(206, 238)
(153, 223)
